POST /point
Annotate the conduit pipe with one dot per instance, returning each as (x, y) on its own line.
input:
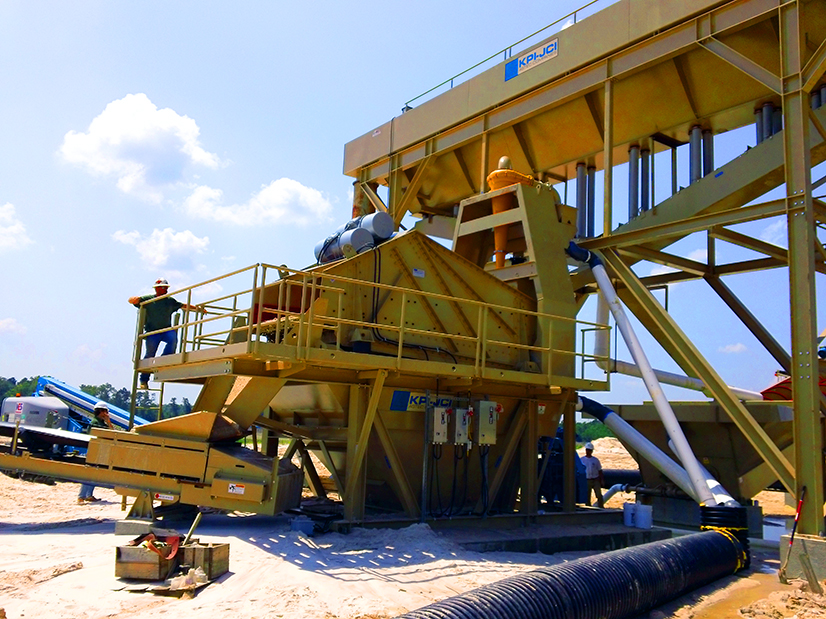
(613, 490)
(695, 155)
(653, 454)
(768, 110)
(592, 185)
(633, 181)
(758, 125)
(720, 494)
(604, 362)
(581, 202)
(662, 405)
(645, 179)
(613, 585)
(632, 438)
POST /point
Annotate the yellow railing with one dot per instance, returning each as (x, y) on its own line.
(282, 310)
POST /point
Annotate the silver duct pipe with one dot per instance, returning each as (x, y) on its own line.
(592, 187)
(758, 124)
(633, 181)
(708, 152)
(768, 109)
(695, 157)
(645, 180)
(581, 209)
(777, 120)
(601, 350)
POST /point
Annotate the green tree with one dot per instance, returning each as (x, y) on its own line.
(591, 430)
(10, 387)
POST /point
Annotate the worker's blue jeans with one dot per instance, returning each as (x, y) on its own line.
(86, 491)
(170, 343)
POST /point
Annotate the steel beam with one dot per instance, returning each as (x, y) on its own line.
(689, 356)
(408, 499)
(750, 321)
(808, 437)
(748, 242)
(354, 467)
(608, 159)
(746, 65)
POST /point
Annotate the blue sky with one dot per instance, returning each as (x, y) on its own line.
(188, 139)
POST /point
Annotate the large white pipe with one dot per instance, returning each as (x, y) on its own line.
(721, 495)
(631, 437)
(604, 362)
(669, 419)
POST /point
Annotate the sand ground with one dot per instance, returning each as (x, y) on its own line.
(58, 562)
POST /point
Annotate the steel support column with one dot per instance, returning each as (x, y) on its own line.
(801, 223)
(608, 160)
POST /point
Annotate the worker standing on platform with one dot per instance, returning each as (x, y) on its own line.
(99, 420)
(159, 316)
(593, 473)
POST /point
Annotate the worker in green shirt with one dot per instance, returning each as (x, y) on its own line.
(159, 316)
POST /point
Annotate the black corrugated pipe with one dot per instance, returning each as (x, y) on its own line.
(612, 585)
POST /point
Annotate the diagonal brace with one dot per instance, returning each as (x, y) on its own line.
(691, 358)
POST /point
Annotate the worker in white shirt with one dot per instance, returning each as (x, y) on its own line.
(593, 473)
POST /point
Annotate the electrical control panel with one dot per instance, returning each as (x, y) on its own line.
(487, 416)
(439, 423)
(461, 426)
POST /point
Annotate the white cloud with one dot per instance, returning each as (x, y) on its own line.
(165, 248)
(732, 348)
(776, 233)
(144, 148)
(85, 354)
(568, 24)
(10, 325)
(12, 231)
(282, 201)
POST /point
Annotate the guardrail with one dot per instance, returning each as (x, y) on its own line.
(287, 309)
(508, 51)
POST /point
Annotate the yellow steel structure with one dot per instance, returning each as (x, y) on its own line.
(354, 360)
(643, 74)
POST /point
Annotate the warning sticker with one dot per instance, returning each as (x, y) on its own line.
(236, 489)
(164, 497)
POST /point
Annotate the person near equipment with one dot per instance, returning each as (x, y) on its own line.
(99, 420)
(159, 316)
(593, 473)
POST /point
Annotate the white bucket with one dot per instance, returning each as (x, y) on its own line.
(644, 517)
(628, 513)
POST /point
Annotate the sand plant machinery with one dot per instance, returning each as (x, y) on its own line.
(420, 364)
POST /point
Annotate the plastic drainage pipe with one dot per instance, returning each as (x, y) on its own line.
(632, 437)
(672, 426)
(613, 585)
(604, 362)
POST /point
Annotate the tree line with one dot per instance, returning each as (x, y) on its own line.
(146, 406)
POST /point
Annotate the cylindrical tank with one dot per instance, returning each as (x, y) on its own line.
(345, 242)
(344, 245)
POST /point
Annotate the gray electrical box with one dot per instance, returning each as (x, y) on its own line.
(439, 424)
(487, 414)
(461, 426)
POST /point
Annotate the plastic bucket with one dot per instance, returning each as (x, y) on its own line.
(644, 516)
(628, 514)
